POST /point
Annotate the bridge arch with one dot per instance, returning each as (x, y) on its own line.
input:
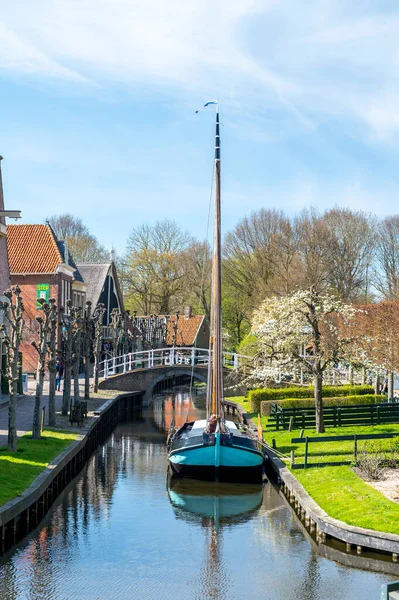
(170, 374)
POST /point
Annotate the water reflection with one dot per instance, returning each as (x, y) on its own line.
(213, 506)
(214, 501)
(180, 406)
(117, 533)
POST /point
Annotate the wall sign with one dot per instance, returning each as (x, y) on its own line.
(42, 291)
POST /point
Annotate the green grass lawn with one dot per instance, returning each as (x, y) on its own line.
(337, 489)
(19, 469)
(345, 496)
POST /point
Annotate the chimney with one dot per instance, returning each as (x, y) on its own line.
(188, 312)
(66, 258)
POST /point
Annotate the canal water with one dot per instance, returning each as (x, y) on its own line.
(120, 531)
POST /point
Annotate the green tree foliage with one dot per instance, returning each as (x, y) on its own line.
(84, 246)
(155, 267)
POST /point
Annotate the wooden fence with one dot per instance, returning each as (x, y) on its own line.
(334, 438)
(335, 416)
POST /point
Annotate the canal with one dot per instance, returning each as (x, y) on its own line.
(120, 531)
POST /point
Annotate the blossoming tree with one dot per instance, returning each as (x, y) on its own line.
(306, 318)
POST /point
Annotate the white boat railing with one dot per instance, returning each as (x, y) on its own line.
(148, 359)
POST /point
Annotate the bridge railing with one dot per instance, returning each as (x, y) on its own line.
(147, 359)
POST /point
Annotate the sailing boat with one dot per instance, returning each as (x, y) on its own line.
(213, 448)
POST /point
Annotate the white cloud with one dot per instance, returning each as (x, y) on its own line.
(18, 55)
(311, 61)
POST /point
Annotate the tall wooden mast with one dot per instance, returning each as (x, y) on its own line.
(215, 374)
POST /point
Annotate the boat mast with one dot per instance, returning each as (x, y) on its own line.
(215, 375)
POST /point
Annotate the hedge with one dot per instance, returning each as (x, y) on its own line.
(265, 408)
(255, 397)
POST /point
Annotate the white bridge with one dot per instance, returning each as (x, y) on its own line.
(198, 358)
(164, 357)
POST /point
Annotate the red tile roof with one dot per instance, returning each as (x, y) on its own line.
(187, 329)
(32, 249)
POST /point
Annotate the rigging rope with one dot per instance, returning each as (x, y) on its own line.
(203, 270)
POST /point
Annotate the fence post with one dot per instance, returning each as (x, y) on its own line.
(106, 368)
(193, 355)
(335, 415)
(292, 457)
(124, 363)
(114, 364)
(303, 420)
(339, 416)
(235, 362)
(378, 415)
(306, 452)
(277, 421)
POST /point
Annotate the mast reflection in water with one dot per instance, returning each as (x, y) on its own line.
(213, 506)
(114, 533)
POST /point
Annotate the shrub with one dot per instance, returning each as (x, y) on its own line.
(265, 405)
(276, 394)
(371, 463)
(377, 455)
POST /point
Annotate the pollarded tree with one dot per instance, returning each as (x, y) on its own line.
(305, 318)
(41, 348)
(52, 361)
(87, 346)
(97, 320)
(11, 331)
(66, 349)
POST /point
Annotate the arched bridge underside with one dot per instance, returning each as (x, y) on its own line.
(146, 379)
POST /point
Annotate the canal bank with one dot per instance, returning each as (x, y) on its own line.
(331, 537)
(115, 531)
(20, 515)
(323, 529)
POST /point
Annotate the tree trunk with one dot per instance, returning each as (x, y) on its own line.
(364, 376)
(12, 420)
(36, 428)
(12, 406)
(390, 385)
(87, 377)
(51, 400)
(67, 389)
(96, 369)
(377, 384)
(76, 395)
(318, 396)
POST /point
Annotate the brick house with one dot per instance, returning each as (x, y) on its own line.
(192, 330)
(43, 268)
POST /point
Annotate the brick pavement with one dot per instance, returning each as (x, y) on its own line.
(26, 404)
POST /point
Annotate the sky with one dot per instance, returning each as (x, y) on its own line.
(98, 101)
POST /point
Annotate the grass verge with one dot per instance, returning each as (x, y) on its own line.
(19, 469)
(337, 489)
